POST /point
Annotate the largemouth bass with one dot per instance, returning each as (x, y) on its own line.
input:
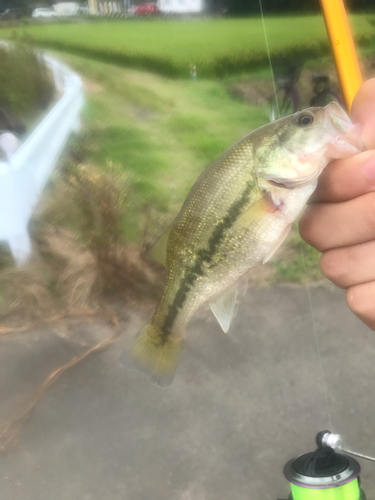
(236, 216)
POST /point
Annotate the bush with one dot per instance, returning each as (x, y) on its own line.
(26, 86)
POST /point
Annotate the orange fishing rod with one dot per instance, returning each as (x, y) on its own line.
(343, 48)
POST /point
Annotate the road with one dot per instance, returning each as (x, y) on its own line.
(242, 404)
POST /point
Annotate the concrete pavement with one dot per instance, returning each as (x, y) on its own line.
(242, 404)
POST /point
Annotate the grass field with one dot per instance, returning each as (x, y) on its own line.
(217, 46)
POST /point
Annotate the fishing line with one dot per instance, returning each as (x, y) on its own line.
(325, 387)
(269, 56)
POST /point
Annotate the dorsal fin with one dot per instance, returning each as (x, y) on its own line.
(158, 251)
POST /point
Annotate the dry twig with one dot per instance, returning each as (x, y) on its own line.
(9, 431)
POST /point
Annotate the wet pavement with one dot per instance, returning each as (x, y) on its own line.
(241, 406)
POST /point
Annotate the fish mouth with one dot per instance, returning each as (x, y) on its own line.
(291, 184)
(281, 185)
(346, 136)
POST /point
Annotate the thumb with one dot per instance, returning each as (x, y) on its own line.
(363, 112)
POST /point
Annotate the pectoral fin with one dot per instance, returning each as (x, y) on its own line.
(276, 245)
(158, 251)
(253, 212)
(223, 307)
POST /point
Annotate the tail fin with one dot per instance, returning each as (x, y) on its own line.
(156, 354)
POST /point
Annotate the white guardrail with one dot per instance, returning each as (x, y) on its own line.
(24, 175)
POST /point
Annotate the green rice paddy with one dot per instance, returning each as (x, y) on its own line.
(217, 47)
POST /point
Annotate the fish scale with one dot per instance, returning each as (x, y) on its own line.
(236, 215)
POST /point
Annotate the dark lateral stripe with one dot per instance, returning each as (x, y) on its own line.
(204, 256)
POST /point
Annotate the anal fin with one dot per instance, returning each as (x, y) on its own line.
(223, 306)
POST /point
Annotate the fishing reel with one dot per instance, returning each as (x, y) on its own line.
(328, 473)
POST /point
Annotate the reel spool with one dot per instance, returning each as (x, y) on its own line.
(325, 474)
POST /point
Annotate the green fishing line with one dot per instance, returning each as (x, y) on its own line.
(349, 491)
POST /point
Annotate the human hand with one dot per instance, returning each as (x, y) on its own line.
(340, 218)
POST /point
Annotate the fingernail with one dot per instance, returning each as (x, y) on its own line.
(369, 169)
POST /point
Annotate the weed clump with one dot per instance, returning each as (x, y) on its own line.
(80, 252)
(102, 200)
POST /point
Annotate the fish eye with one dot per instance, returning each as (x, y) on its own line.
(305, 119)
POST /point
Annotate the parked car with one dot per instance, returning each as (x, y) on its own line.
(66, 8)
(11, 14)
(145, 9)
(43, 12)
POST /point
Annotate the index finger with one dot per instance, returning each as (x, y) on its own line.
(343, 180)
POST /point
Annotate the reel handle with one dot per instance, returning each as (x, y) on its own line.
(326, 439)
